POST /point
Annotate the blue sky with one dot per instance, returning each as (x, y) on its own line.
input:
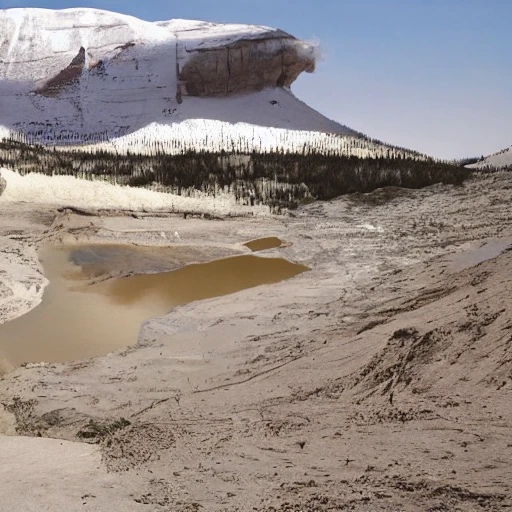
(432, 75)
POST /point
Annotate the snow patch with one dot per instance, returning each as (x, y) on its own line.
(71, 191)
(497, 160)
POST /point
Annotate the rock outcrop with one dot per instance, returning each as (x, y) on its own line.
(220, 60)
(65, 78)
(223, 59)
(245, 66)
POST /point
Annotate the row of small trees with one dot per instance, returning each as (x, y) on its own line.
(212, 137)
(278, 179)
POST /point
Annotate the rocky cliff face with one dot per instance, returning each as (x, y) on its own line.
(245, 66)
(219, 60)
(82, 75)
(68, 77)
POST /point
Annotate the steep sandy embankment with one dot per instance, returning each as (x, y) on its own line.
(380, 380)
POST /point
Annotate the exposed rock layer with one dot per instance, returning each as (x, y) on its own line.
(65, 78)
(245, 66)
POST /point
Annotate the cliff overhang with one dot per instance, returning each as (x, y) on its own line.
(245, 66)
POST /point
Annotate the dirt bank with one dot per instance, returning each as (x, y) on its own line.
(380, 380)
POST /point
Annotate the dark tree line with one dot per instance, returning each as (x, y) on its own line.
(278, 179)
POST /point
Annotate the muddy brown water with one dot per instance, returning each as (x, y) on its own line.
(262, 244)
(78, 320)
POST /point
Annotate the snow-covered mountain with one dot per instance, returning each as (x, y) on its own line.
(498, 160)
(87, 76)
(190, 108)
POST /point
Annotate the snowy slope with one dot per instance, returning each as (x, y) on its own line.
(196, 34)
(269, 120)
(116, 76)
(35, 44)
(497, 160)
(71, 191)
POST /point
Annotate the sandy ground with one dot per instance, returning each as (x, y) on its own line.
(379, 381)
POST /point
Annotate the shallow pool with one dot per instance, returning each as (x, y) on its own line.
(77, 320)
(262, 244)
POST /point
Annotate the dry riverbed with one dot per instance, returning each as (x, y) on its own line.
(380, 380)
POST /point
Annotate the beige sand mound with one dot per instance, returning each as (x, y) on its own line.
(49, 474)
(455, 335)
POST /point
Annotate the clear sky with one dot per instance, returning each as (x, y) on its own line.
(431, 75)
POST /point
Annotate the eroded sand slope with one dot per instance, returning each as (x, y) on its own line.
(379, 380)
